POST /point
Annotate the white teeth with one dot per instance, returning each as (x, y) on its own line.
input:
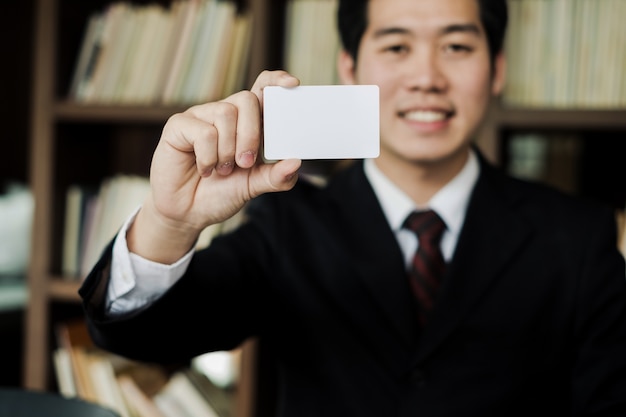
(425, 116)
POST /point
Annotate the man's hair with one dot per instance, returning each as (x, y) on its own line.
(352, 22)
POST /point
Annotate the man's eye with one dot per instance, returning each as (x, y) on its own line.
(458, 48)
(396, 49)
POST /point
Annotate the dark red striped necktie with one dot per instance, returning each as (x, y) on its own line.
(428, 266)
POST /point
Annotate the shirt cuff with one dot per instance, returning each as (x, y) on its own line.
(136, 281)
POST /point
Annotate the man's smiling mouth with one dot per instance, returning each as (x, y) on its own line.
(425, 116)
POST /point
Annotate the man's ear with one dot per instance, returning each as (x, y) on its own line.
(345, 67)
(499, 74)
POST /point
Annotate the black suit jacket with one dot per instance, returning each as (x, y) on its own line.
(531, 317)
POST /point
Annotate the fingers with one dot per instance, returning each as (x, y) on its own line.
(283, 174)
(188, 135)
(227, 133)
(271, 78)
(280, 176)
(232, 136)
(248, 128)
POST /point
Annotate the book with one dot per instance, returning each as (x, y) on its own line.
(180, 394)
(561, 30)
(92, 374)
(72, 337)
(82, 375)
(204, 39)
(62, 364)
(146, 19)
(138, 402)
(150, 72)
(88, 56)
(179, 16)
(122, 47)
(221, 399)
(117, 198)
(239, 56)
(311, 41)
(181, 49)
(215, 64)
(106, 389)
(113, 18)
(72, 229)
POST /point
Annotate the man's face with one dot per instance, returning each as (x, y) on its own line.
(430, 59)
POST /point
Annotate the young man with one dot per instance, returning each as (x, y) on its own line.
(529, 317)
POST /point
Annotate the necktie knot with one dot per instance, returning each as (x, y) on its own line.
(427, 225)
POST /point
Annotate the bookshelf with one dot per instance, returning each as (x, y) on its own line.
(73, 141)
(77, 142)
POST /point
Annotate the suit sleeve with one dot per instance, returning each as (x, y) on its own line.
(599, 371)
(220, 301)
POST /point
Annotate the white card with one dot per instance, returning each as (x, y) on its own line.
(321, 122)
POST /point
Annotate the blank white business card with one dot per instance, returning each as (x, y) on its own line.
(321, 122)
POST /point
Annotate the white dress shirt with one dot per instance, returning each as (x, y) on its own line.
(450, 203)
(136, 281)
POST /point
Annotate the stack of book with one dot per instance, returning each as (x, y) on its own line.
(131, 388)
(566, 53)
(311, 41)
(93, 216)
(191, 52)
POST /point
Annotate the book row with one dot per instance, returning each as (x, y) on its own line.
(132, 388)
(561, 53)
(191, 51)
(311, 41)
(93, 216)
(566, 53)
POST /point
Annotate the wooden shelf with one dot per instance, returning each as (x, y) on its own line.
(62, 289)
(513, 117)
(72, 111)
(509, 117)
(57, 124)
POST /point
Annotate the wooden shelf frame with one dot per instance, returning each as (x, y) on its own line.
(500, 118)
(36, 355)
(47, 112)
(540, 118)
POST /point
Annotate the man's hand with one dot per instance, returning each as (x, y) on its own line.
(205, 168)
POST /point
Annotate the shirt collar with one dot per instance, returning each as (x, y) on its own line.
(450, 202)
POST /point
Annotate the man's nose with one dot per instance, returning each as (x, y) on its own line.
(424, 72)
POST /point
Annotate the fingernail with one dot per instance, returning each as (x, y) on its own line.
(247, 159)
(225, 168)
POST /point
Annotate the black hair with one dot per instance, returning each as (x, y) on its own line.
(352, 22)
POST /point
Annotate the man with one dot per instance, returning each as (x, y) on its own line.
(529, 317)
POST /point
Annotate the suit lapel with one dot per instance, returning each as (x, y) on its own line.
(483, 252)
(377, 259)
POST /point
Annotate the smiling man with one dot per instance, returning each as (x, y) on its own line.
(432, 63)
(421, 283)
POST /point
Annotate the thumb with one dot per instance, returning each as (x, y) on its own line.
(280, 176)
